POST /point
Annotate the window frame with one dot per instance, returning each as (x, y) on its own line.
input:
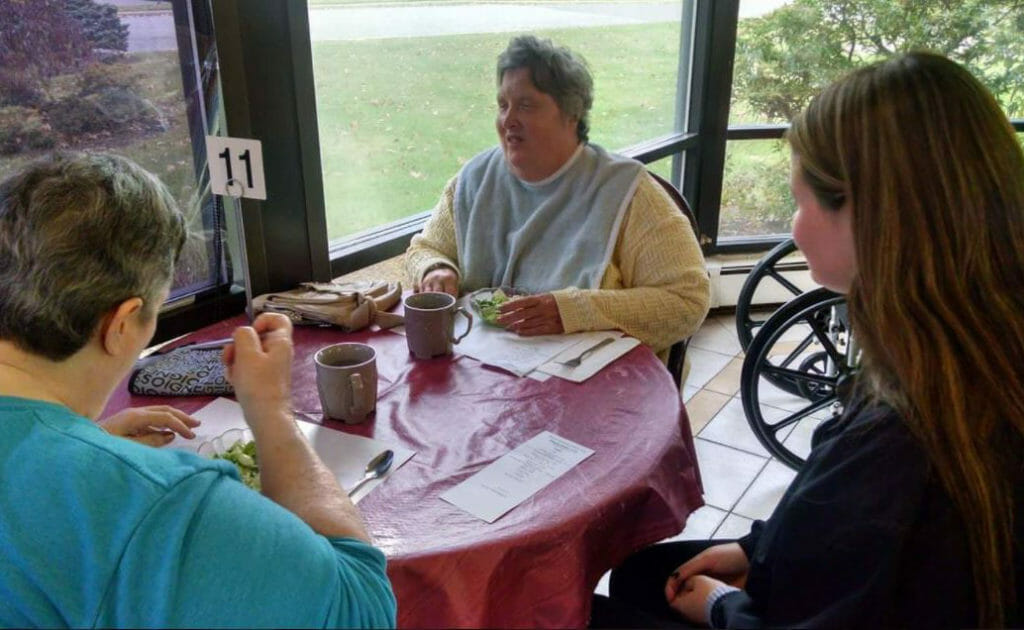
(267, 85)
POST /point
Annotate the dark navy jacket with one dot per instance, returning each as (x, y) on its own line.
(864, 536)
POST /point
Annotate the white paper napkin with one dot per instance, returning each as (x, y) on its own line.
(593, 362)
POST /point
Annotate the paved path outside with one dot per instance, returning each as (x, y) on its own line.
(152, 32)
(355, 23)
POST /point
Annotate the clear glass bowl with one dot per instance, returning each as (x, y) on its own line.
(220, 444)
(480, 298)
(221, 447)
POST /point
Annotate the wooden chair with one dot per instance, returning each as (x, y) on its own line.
(677, 353)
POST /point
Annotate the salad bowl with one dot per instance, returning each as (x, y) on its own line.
(238, 447)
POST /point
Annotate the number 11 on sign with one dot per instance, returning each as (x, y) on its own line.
(236, 167)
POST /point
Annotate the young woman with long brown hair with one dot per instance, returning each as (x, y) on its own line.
(909, 184)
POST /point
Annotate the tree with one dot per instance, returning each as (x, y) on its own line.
(99, 23)
(790, 54)
(38, 38)
(787, 56)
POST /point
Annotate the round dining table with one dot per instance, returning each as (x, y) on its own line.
(538, 564)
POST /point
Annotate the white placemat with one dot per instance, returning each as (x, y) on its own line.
(346, 455)
(593, 362)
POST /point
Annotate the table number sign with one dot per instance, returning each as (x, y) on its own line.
(236, 167)
(516, 476)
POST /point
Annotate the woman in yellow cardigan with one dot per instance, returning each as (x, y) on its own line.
(589, 234)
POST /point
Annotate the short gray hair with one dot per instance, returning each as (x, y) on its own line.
(79, 234)
(554, 70)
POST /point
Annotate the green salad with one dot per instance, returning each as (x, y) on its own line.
(488, 307)
(243, 456)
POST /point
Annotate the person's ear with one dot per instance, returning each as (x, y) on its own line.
(116, 332)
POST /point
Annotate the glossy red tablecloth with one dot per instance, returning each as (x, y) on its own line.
(538, 564)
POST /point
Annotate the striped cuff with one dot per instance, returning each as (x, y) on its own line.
(713, 597)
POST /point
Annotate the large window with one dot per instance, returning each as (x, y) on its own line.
(366, 109)
(115, 76)
(786, 55)
(405, 94)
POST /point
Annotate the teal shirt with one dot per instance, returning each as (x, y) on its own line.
(96, 530)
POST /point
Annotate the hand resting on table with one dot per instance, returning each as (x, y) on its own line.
(154, 426)
(531, 315)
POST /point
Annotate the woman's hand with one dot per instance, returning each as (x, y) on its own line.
(687, 589)
(259, 367)
(531, 315)
(691, 599)
(441, 280)
(726, 562)
(154, 426)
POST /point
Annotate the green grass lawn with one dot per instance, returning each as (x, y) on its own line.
(398, 117)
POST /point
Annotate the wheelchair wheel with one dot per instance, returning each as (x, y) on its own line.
(746, 323)
(803, 350)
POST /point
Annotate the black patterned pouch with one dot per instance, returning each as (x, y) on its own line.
(183, 371)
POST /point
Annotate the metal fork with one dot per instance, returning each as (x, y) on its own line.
(575, 361)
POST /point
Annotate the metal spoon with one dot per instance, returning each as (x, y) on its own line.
(375, 469)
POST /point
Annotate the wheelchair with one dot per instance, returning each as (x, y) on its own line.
(799, 360)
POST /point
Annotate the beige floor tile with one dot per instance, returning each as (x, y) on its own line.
(726, 472)
(731, 428)
(728, 380)
(717, 334)
(704, 365)
(734, 526)
(799, 439)
(763, 495)
(702, 407)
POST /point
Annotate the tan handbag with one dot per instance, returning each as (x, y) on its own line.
(350, 306)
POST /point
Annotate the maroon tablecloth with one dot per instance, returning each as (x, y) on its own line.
(538, 564)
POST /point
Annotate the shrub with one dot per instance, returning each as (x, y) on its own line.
(18, 88)
(99, 76)
(76, 115)
(40, 39)
(23, 129)
(124, 109)
(109, 110)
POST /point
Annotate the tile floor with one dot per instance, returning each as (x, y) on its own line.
(742, 481)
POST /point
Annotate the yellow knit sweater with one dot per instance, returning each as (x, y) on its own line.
(655, 287)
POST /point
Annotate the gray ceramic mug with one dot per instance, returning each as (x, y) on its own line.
(430, 324)
(346, 378)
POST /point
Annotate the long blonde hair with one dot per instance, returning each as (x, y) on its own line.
(936, 178)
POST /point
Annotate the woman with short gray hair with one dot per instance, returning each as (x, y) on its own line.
(590, 236)
(554, 70)
(56, 219)
(98, 530)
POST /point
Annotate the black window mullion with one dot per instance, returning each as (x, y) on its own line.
(713, 53)
(266, 75)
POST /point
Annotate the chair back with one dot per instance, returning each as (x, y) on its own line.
(677, 353)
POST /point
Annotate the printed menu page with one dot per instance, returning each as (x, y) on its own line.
(516, 476)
